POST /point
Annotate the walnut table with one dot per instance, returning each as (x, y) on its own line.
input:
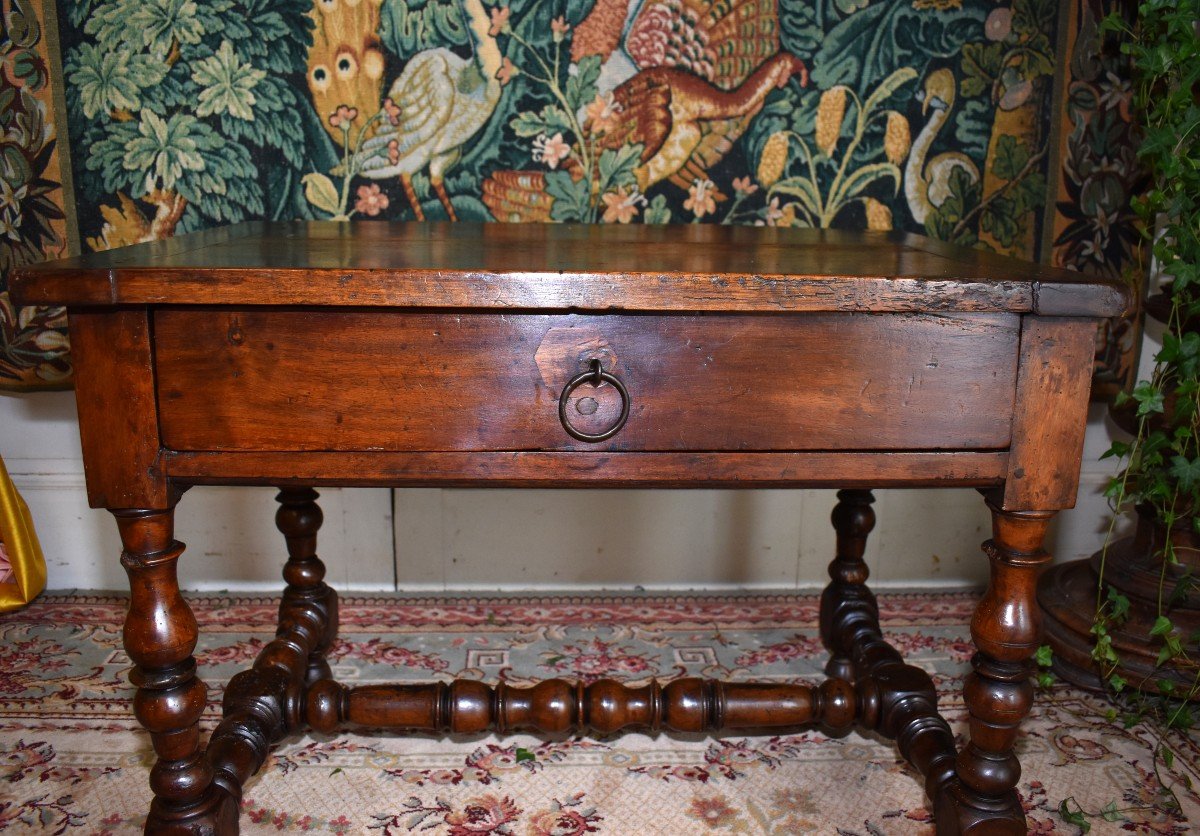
(301, 355)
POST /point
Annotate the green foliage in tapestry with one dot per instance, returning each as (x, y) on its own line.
(193, 105)
(206, 109)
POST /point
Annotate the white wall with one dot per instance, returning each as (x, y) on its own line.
(230, 532)
(512, 540)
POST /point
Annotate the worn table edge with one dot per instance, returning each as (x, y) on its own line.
(143, 274)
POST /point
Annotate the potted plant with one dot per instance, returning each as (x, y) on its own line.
(1128, 619)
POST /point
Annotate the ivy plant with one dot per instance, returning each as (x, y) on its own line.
(1159, 468)
(1161, 464)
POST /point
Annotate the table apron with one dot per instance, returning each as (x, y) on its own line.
(591, 470)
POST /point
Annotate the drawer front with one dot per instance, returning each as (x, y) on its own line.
(257, 379)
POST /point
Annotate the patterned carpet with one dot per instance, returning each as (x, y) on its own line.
(72, 761)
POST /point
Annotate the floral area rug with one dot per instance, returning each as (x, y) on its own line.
(72, 759)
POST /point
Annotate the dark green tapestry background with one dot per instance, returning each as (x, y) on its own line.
(995, 124)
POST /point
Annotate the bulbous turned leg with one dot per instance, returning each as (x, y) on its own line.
(160, 635)
(307, 599)
(264, 704)
(846, 601)
(1006, 629)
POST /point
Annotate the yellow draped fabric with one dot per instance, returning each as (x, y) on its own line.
(26, 569)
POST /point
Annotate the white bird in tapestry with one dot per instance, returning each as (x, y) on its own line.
(439, 101)
(928, 185)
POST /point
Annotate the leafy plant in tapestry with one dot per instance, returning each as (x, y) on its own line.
(919, 114)
(1007, 75)
(33, 344)
(192, 109)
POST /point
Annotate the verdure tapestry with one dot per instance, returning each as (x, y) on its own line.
(34, 183)
(1003, 125)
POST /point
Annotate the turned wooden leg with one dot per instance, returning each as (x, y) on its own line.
(298, 518)
(847, 601)
(896, 699)
(266, 703)
(998, 693)
(160, 635)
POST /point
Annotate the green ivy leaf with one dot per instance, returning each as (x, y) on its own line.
(1181, 718)
(1120, 605)
(1189, 354)
(1120, 449)
(1149, 398)
(524, 755)
(1115, 490)
(1187, 472)
(1162, 626)
(1110, 812)
(1044, 656)
(1075, 817)
(1103, 651)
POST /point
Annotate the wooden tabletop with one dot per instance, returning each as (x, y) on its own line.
(574, 267)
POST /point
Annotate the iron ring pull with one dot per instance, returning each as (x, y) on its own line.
(596, 376)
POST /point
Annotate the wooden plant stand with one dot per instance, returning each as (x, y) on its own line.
(301, 355)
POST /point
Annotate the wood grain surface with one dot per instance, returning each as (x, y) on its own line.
(118, 425)
(1050, 417)
(592, 470)
(248, 379)
(584, 267)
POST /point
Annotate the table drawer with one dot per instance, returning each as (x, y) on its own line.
(309, 380)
